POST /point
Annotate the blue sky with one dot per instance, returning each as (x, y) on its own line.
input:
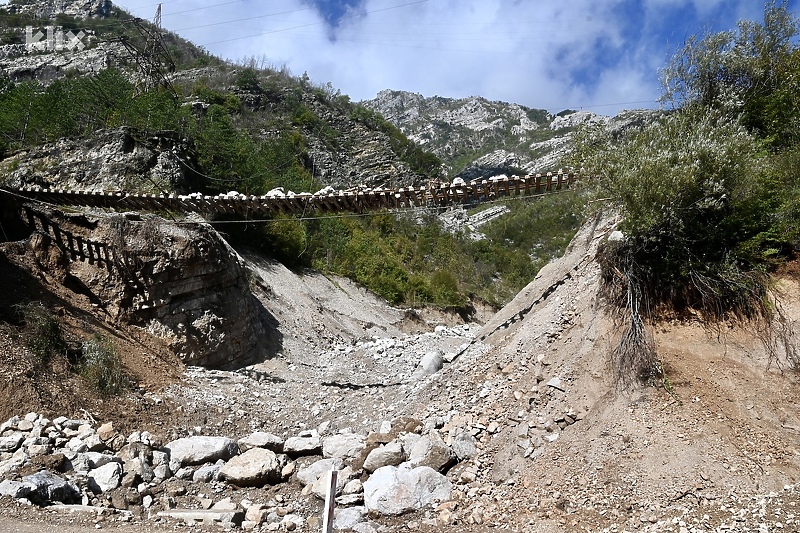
(600, 55)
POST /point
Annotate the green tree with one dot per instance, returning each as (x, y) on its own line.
(752, 71)
(247, 80)
(707, 193)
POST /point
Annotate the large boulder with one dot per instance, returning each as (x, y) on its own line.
(390, 454)
(430, 363)
(307, 443)
(254, 468)
(105, 478)
(48, 487)
(432, 451)
(345, 445)
(260, 439)
(199, 450)
(394, 490)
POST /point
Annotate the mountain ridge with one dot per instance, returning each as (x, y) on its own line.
(480, 138)
(337, 142)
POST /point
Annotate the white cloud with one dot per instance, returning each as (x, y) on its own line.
(549, 53)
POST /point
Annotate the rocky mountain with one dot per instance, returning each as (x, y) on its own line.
(335, 143)
(433, 420)
(50, 9)
(479, 138)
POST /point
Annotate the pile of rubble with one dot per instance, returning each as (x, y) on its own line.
(399, 469)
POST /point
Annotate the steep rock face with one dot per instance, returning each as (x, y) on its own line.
(460, 131)
(341, 151)
(477, 138)
(473, 113)
(182, 284)
(48, 9)
(21, 64)
(492, 164)
(364, 156)
(108, 160)
(38, 60)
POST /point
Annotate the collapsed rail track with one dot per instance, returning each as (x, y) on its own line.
(358, 200)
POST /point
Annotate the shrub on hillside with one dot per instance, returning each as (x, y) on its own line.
(42, 332)
(699, 200)
(102, 367)
(751, 73)
(706, 193)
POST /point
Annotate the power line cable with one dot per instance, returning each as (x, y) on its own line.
(243, 19)
(314, 23)
(173, 13)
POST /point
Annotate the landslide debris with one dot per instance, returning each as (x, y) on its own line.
(521, 415)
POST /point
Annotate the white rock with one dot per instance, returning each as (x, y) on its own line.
(465, 446)
(616, 236)
(12, 442)
(431, 363)
(199, 450)
(77, 445)
(432, 451)
(396, 490)
(345, 446)
(390, 454)
(320, 487)
(206, 473)
(260, 439)
(105, 478)
(311, 473)
(254, 468)
(14, 489)
(303, 445)
(349, 517)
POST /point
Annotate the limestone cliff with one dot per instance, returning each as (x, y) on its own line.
(479, 138)
(108, 160)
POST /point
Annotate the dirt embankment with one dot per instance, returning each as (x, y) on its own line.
(560, 446)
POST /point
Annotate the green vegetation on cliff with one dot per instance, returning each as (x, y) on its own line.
(708, 194)
(411, 259)
(252, 128)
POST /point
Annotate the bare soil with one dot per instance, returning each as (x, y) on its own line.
(716, 447)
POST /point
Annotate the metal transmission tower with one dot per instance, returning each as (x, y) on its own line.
(153, 59)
